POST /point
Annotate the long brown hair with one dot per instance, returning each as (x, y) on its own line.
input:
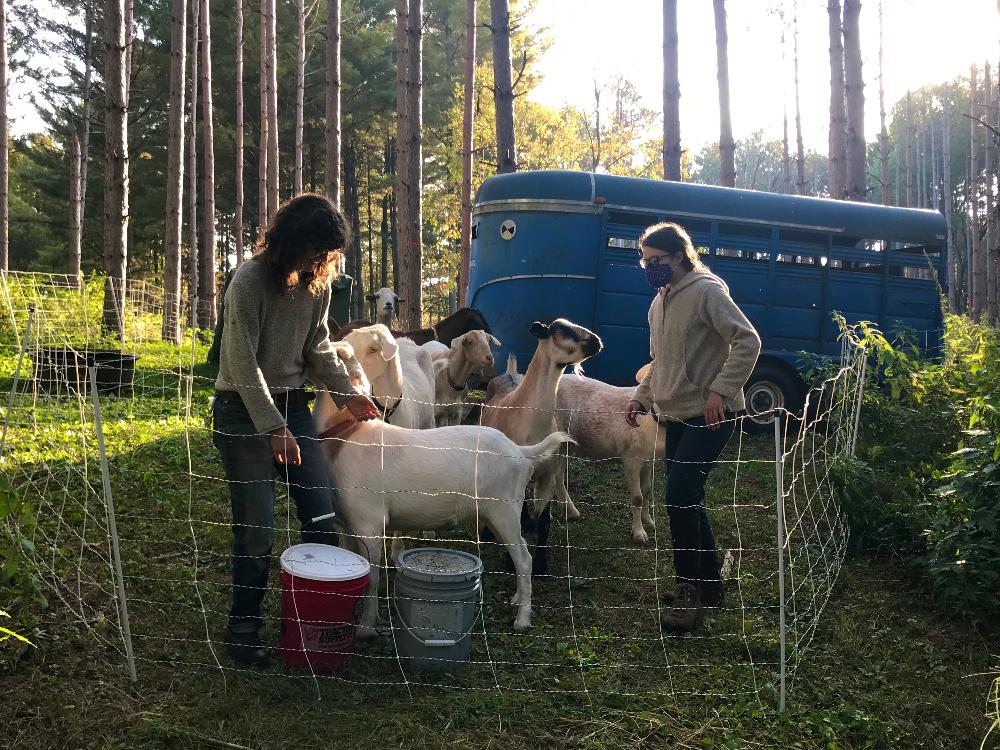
(670, 238)
(303, 244)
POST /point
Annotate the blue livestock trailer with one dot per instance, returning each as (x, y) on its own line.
(565, 244)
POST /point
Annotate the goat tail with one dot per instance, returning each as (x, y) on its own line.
(511, 364)
(544, 450)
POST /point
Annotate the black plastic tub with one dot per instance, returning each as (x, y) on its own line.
(64, 370)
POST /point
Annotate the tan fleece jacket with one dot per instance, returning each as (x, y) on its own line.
(700, 341)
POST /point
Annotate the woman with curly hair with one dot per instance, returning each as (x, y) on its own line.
(275, 329)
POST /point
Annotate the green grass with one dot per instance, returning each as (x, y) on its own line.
(885, 670)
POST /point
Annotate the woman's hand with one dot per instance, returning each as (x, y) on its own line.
(715, 410)
(633, 411)
(285, 448)
(362, 408)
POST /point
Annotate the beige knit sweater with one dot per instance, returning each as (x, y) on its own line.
(700, 341)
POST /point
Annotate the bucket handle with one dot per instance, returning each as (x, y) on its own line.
(436, 642)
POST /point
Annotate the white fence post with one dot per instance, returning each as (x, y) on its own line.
(779, 475)
(17, 379)
(113, 527)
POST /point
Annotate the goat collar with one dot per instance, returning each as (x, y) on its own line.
(338, 436)
(451, 383)
(387, 412)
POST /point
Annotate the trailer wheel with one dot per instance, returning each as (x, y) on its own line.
(772, 387)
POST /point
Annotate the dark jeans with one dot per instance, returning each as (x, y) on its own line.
(691, 451)
(250, 471)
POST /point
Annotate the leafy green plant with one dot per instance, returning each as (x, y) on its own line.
(6, 633)
(926, 478)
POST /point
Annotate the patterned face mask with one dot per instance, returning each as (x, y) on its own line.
(658, 275)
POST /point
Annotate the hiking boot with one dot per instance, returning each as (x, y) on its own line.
(683, 612)
(246, 649)
(713, 595)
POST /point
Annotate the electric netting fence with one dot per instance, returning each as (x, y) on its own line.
(116, 499)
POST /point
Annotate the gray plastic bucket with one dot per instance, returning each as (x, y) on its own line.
(437, 593)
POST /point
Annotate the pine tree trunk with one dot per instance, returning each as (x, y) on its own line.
(264, 149)
(207, 271)
(503, 87)
(175, 173)
(75, 235)
(921, 176)
(400, 160)
(838, 112)
(410, 256)
(4, 141)
(384, 259)
(954, 284)
(238, 178)
(192, 170)
(935, 184)
(352, 210)
(727, 149)
(786, 158)
(371, 246)
(883, 137)
(854, 95)
(273, 190)
(300, 88)
(800, 151)
(468, 122)
(333, 101)
(88, 104)
(978, 256)
(908, 129)
(990, 166)
(671, 95)
(116, 188)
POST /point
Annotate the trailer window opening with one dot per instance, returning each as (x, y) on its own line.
(858, 266)
(756, 256)
(630, 219)
(623, 243)
(799, 260)
(922, 273)
(801, 237)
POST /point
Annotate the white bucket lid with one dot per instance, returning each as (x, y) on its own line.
(323, 562)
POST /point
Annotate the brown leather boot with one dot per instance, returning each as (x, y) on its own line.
(682, 612)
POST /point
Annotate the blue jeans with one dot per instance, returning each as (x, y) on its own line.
(692, 451)
(250, 471)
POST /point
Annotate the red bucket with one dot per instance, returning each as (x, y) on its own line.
(322, 597)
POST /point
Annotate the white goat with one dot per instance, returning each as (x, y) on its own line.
(592, 413)
(401, 375)
(527, 413)
(469, 353)
(395, 479)
(386, 305)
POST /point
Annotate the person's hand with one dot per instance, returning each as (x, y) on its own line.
(362, 408)
(285, 448)
(633, 411)
(715, 410)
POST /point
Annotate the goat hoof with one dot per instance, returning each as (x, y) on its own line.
(572, 513)
(639, 536)
(521, 625)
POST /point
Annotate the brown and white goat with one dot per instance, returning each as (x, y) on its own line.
(527, 413)
(469, 353)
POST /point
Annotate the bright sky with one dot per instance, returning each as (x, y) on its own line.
(926, 41)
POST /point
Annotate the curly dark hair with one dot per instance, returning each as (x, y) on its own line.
(670, 238)
(304, 243)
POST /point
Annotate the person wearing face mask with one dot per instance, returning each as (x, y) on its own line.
(703, 349)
